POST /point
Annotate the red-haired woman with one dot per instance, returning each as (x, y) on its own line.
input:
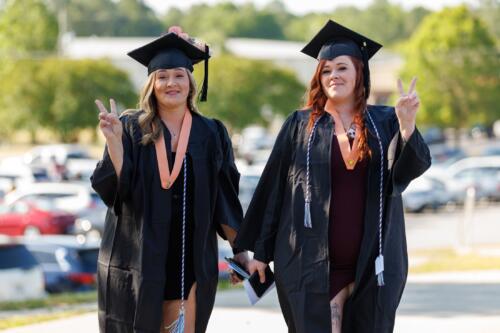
(328, 208)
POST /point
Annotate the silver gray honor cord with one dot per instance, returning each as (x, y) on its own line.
(307, 207)
(379, 261)
(178, 325)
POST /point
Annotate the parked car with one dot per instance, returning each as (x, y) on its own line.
(248, 183)
(491, 151)
(445, 155)
(61, 153)
(433, 135)
(72, 197)
(90, 223)
(224, 251)
(481, 172)
(425, 192)
(80, 169)
(21, 277)
(33, 217)
(69, 263)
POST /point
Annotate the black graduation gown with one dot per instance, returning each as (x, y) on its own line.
(131, 265)
(274, 224)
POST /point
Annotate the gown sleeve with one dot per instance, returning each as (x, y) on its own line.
(228, 209)
(412, 159)
(260, 225)
(104, 179)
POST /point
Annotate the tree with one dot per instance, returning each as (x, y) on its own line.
(220, 21)
(59, 95)
(27, 27)
(240, 89)
(455, 58)
(112, 18)
(489, 11)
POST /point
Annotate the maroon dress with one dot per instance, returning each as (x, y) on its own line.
(347, 210)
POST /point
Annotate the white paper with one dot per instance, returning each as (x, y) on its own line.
(252, 296)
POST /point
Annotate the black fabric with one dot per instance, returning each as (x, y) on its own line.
(168, 51)
(335, 40)
(173, 264)
(131, 265)
(274, 225)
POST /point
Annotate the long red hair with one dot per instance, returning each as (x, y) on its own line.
(316, 100)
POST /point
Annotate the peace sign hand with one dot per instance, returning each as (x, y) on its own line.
(109, 123)
(406, 108)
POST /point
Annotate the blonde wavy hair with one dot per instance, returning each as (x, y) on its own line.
(149, 106)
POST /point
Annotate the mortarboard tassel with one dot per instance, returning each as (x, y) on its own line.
(307, 215)
(379, 270)
(204, 87)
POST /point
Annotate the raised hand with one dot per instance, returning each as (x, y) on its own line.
(406, 108)
(112, 129)
(109, 123)
(196, 42)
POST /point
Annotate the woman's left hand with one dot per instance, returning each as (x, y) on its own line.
(406, 108)
(243, 259)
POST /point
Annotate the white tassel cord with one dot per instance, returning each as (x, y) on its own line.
(307, 206)
(178, 325)
(379, 261)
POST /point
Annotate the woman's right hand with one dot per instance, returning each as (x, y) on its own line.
(109, 123)
(112, 128)
(259, 266)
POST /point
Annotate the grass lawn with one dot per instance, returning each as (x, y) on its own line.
(444, 260)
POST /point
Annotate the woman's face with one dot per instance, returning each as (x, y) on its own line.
(338, 78)
(171, 87)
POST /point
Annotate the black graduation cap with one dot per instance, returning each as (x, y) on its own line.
(334, 40)
(171, 51)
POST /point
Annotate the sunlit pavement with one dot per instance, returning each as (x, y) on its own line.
(250, 321)
(441, 302)
(465, 302)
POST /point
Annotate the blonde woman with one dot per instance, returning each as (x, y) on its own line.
(169, 179)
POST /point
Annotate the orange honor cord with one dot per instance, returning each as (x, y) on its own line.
(167, 178)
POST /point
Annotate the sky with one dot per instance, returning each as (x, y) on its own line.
(300, 7)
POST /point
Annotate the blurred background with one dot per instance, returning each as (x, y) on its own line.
(58, 56)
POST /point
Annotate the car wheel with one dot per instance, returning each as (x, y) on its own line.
(31, 231)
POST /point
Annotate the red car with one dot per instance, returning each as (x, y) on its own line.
(32, 218)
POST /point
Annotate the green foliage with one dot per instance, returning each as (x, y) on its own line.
(27, 26)
(489, 12)
(455, 57)
(112, 18)
(241, 88)
(381, 21)
(220, 21)
(59, 94)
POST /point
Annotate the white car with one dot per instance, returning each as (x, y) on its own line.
(44, 154)
(70, 197)
(21, 277)
(425, 192)
(482, 173)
